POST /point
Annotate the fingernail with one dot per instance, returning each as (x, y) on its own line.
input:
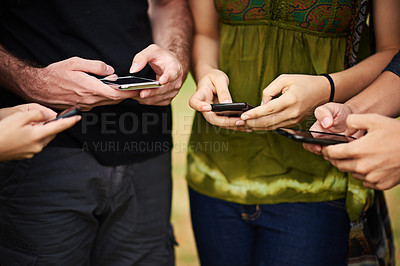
(109, 70)
(206, 108)
(134, 68)
(240, 123)
(226, 101)
(326, 122)
(145, 94)
(262, 102)
(163, 79)
(245, 117)
(249, 130)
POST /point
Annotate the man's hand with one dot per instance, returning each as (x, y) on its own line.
(62, 84)
(22, 134)
(169, 72)
(374, 158)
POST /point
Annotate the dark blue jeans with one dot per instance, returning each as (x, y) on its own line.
(275, 234)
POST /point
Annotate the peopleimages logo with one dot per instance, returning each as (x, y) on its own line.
(130, 123)
(126, 123)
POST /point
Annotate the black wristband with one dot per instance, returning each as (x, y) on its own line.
(332, 86)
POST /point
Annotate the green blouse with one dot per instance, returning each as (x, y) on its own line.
(259, 40)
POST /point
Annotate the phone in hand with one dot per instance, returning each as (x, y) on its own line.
(129, 83)
(230, 109)
(314, 137)
(75, 110)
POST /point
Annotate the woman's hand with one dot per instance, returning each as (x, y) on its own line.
(331, 118)
(22, 134)
(301, 94)
(213, 88)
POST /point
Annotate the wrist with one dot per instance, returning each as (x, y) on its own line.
(331, 87)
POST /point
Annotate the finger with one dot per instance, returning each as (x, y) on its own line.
(271, 122)
(221, 83)
(199, 103)
(172, 71)
(58, 126)
(90, 66)
(358, 176)
(240, 128)
(148, 93)
(369, 185)
(47, 112)
(314, 148)
(363, 121)
(266, 109)
(348, 165)
(28, 117)
(274, 88)
(156, 100)
(324, 115)
(221, 121)
(339, 151)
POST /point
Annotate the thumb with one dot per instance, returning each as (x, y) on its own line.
(363, 121)
(273, 89)
(324, 115)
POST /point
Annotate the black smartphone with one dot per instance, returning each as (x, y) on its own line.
(230, 109)
(314, 137)
(75, 110)
(129, 83)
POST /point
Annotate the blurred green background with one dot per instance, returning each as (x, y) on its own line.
(186, 251)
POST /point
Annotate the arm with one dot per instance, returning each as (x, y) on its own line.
(212, 84)
(171, 24)
(67, 80)
(383, 95)
(302, 93)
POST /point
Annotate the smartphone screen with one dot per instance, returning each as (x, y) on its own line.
(131, 83)
(314, 137)
(230, 109)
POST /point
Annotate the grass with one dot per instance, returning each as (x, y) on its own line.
(186, 251)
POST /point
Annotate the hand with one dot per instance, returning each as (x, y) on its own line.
(331, 117)
(300, 95)
(374, 158)
(47, 113)
(67, 83)
(22, 135)
(169, 72)
(213, 88)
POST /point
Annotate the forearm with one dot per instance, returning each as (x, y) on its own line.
(172, 28)
(15, 72)
(387, 35)
(381, 97)
(350, 82)
(206, 35)
(204, 59)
